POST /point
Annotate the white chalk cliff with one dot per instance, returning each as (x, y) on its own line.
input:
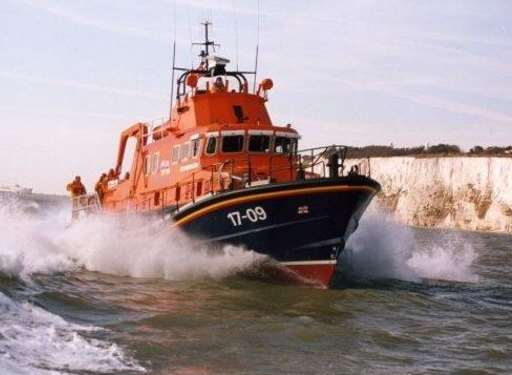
(473, 193)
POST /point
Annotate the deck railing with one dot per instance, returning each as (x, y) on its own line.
(84, 205)
(236, 174)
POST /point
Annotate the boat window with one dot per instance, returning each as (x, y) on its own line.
(199, 188)
(195, 147)
(146, 165)
(175, 154)
(184, 151)
(259, 143)
(239, 113)
(285, 145)
(232, 143)
(211, 146)
(177, 193)
(155, 160)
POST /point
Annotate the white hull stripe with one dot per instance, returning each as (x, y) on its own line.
(308, 262)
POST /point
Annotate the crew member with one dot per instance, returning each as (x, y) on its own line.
(76, 188)
(354, 170)
(111, 175)
(101, 187)
(77, 191)
(218, 85)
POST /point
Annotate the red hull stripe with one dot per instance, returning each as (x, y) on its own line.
(320, 272)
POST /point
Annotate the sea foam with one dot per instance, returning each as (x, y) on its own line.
(382, 248)
(35, 341)
(127, 246)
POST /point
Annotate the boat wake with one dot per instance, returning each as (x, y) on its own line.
(120, 246)
(35, 341)
(383, 249)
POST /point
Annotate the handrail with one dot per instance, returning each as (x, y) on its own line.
(87, 203)
(234, 174)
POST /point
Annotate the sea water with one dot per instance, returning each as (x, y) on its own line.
(110, 296)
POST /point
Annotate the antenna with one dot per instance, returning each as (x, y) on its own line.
(173, 62)
(256, 67)
(235, 11)
(207, 43)
(172, 77)
(204, 70)
(257, 46)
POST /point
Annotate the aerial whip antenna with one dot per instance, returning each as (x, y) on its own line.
(235, 11)
(191, 50)
(172, 76)
(255, 67)
(257, 47)
(173, 63)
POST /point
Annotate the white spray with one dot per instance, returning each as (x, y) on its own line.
(383, 249)
(121, 246)
(35, 341)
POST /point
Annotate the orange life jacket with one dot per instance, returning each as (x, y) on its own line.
(76, 188)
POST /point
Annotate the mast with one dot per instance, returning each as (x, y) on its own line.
(204, 70)
(207, 43)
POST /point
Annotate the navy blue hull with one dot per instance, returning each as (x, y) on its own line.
(303, 221)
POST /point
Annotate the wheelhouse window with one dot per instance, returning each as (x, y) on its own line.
(211, 145)
(146, 165)
(155, 161)
(259, 143)
(175, 154)
(285, 145)
(184, 150)
(194, 145)
(232, 143)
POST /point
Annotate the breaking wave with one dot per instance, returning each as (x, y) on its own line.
(34, 341)
(27, 244)
(383, 249)
(124, 246)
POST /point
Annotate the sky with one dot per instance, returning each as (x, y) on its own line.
(74, 74)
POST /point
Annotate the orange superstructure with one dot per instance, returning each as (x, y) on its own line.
(216, 139)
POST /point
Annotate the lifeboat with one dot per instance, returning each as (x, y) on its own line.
(219, 169)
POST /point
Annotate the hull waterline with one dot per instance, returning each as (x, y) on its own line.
(319, 273)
